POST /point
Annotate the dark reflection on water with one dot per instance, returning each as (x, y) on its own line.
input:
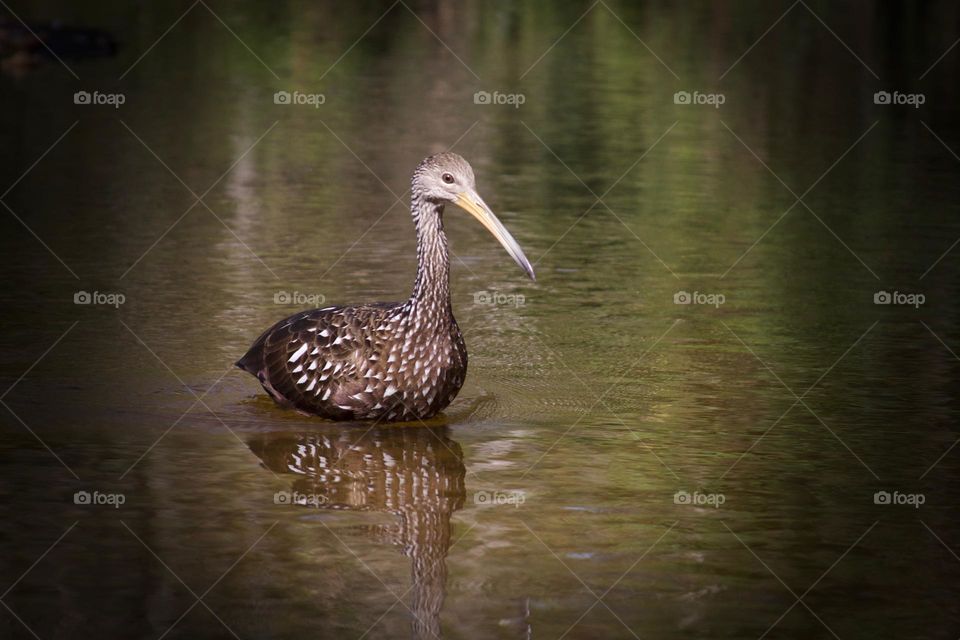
(414, 474)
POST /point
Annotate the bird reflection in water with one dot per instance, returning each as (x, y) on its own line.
(416, 475)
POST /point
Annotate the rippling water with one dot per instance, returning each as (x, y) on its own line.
(618, 463)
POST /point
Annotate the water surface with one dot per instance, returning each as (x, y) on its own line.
(552, 499)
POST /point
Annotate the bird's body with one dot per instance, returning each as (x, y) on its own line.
(362, 362)
(383, 361)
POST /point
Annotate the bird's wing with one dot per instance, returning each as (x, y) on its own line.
(317, 360)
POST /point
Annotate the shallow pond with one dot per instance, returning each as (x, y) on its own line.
(680, 430)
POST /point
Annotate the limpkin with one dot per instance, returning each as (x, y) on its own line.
(384, 361)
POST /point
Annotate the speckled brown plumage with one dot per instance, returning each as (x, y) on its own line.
(383, 361)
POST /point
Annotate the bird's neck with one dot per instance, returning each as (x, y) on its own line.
(432, 288)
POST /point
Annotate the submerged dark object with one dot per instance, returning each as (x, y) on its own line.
(386, 361)
(55, 39)
(24, 47)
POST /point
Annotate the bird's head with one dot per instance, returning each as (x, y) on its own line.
(448, 178)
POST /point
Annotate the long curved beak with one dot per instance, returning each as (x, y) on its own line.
(473, 203)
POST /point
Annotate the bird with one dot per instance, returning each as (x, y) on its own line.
(386, 362)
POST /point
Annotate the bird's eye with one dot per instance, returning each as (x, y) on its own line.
(448, 178)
